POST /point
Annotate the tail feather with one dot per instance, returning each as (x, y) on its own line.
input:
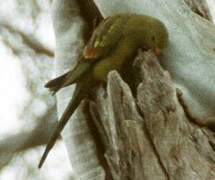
(56, 84)
(69, 78)
(73, 104)
(57, 81)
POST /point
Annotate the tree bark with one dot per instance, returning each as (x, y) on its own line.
(149, 137)
(200, 7)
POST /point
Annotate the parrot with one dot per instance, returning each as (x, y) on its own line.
(112, 45)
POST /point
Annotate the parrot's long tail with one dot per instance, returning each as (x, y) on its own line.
(69, 77)
(79, 94)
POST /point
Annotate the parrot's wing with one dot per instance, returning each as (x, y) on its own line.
(56, 82)
(105, 38)
(69, 77)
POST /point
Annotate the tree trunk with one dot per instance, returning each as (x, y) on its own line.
(149, 137)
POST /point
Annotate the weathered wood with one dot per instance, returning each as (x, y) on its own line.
(150, 137)
(200, 7)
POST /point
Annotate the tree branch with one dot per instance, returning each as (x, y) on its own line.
(200, 7)
(34, 44)
(23, 141)
(91, 15)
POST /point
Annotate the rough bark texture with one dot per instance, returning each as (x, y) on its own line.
(200, 7)
(150, 137)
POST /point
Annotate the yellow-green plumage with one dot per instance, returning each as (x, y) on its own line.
(111, 47)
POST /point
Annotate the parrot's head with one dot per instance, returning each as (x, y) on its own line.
(157, 39)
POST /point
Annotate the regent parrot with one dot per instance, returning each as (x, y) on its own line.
(112, 45)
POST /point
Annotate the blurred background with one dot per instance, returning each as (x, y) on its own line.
(27, 110)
